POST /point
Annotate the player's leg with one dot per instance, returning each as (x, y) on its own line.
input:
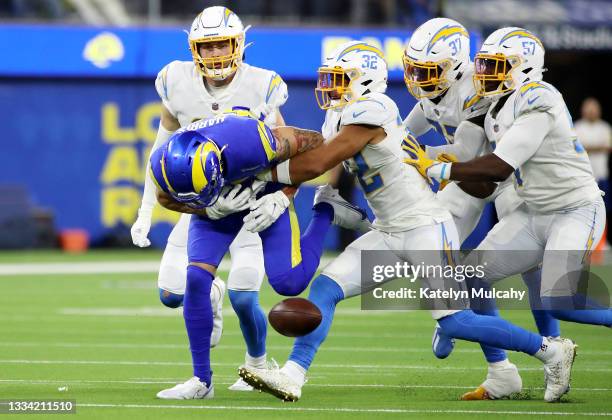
(208, 242)
(341, 279)
(465, 209)
(172, 277)
(513, 232)
(291, 260)
(502, 376)
(577, 231)
(244, 282)
(548, 325)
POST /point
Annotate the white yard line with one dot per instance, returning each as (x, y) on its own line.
(182, 346)
(286, 407)
(321, 365)
(162, 381)
(95, 267)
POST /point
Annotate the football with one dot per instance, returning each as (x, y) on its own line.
(295, 317)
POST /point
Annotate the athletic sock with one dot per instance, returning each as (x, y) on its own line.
(548, 325)
(295, 372)
(325, 294)
(255, 362)
(198, 317)
(253, 323)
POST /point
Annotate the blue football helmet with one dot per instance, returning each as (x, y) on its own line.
(189, 168)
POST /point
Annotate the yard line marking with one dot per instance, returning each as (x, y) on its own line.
(181, 346)
(161, 381)
(97, 267)
(344, 410)
(322, 365)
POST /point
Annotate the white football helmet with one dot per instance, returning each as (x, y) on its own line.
(436, 56)
(508, 58)
(217, 25)
(354, 69)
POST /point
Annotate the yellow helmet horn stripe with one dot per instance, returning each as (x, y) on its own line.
(362, 47)
(521, 33)
(198, 179)
(445, 33)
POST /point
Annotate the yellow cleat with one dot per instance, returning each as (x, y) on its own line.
(478, 394)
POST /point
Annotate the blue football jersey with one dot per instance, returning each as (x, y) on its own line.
(247, 144)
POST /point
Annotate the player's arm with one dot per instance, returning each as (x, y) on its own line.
(140, 230)
(470, 140)
(313, 162)
(416, 121)
(518, 144)
(168, 202)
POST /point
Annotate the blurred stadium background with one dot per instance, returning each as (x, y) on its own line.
(79, 110)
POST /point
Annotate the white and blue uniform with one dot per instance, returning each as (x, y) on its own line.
(531, 130)
(408, 217)
(450, 116)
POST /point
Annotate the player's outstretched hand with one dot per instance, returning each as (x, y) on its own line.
(140, 228)
(232, 200)
(265, 211)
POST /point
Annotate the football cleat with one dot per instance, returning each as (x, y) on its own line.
(501, 382)
(216, 299)
(240, 385)
(192, 389)
(273, 381)
(441, 345)
(559, 369)
(346, 215)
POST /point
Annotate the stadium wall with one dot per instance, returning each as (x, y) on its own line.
(82, 114)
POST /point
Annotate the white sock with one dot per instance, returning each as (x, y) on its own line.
(547, 350)
(295, 372)
(255, 362)
(499, 365)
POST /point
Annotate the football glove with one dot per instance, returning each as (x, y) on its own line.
(417, 157)
(231, 200)
(265, 211)
(140, 228)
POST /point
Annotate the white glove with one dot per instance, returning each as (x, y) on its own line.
(140, 228)
(230, 201)
(265, 211)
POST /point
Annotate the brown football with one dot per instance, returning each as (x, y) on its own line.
(295, 317)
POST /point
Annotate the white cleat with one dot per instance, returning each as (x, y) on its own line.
(240, 385)
(217, 293)
(501, 382)
(192, 389)
(273, 381)
(346, 215)
(559, 369)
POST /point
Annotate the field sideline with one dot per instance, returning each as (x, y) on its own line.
(104, 339)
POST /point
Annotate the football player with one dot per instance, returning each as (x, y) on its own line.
(191, 170)
(216, 80)
(438, 72)
(532, 137)
(363, 127)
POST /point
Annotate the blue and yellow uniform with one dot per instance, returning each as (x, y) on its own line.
(233, 148)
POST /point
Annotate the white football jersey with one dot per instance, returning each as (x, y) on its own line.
(458, 104)
(397, 194)
(181, 88)
(558, 176)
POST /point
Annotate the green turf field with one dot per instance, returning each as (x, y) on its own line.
(108, 343)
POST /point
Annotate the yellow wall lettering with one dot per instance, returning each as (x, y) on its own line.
(112, 132)
(119, 205)
(122, 164)
(394, 52)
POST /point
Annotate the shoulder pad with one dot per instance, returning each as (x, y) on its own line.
(164, 77)
(474, 105)
(535, 97)
(374, 109)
